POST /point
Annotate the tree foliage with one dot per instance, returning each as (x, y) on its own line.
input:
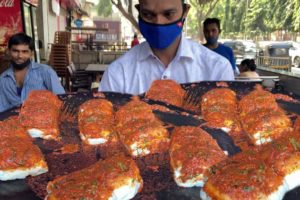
(247, 17)
(201, 9)
(253, 17)
(104, 8)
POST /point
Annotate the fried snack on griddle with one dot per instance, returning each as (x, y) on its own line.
(133, 110)
(266, 172)
(117, 177)
(96, 122)
(140, 131)
(193, 151)
(265, 125)
(40, 114)
(262, 118)
(19, 157)
(11, 127)
(256, 100)
(167, 91)
(219, 108)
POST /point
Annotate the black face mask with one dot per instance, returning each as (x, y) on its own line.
(20, 66)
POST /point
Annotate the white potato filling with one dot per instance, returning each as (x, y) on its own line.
(127, 191)
(6, 175)
(225, 129)
(37, 133)
(93, 141)
(292, 180)
(259, 140)
(197, 181)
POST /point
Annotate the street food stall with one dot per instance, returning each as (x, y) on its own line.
(177, 108)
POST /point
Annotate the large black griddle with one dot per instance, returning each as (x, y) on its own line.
(14, 190)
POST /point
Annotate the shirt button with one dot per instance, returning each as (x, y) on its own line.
(165, 77)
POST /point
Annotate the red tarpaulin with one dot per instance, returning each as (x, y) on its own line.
(10, 19)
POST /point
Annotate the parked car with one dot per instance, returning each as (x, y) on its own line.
(294, 52)
(251, 49)
(242, 49)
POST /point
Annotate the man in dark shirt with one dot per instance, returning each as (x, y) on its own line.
(212, 30)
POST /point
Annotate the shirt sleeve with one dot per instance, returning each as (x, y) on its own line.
(53, 83)
(113, 79)
(4, 104)
(232, 60)
(228, 74)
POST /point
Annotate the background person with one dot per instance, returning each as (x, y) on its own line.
(165, 54)
(212, 30)
(135, 41)
(247, 69)
(24, 75)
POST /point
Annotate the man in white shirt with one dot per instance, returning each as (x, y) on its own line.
(165, 54)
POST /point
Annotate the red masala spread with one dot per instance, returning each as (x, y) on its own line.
(96, 119)
(97, 181)
(260, 114)
(41, 111)
(11, 127)
(270, 123)
(69, 148)
(193, 150)
(167, 91)
(16, 153)
(257, 172)
(219, 107)
(139, 129)
(257, 99)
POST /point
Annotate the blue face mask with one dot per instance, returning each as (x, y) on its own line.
(212, 40)
(160, 36)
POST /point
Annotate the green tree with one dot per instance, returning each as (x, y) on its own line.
(201, 9)
(259, 16)
(296, 16)
(104, 8)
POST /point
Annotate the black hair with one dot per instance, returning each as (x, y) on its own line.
(212, 21)
(249, 64)
(21, 38)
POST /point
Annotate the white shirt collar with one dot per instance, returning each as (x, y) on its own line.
(184, 51)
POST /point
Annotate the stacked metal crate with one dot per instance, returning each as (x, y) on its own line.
(60, 56)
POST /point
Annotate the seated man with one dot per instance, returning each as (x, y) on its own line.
(212, 30)
(24, 75)
(165, 54)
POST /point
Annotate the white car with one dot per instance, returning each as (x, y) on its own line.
(294, 53)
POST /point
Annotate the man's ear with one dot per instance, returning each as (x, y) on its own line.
(186, 9)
